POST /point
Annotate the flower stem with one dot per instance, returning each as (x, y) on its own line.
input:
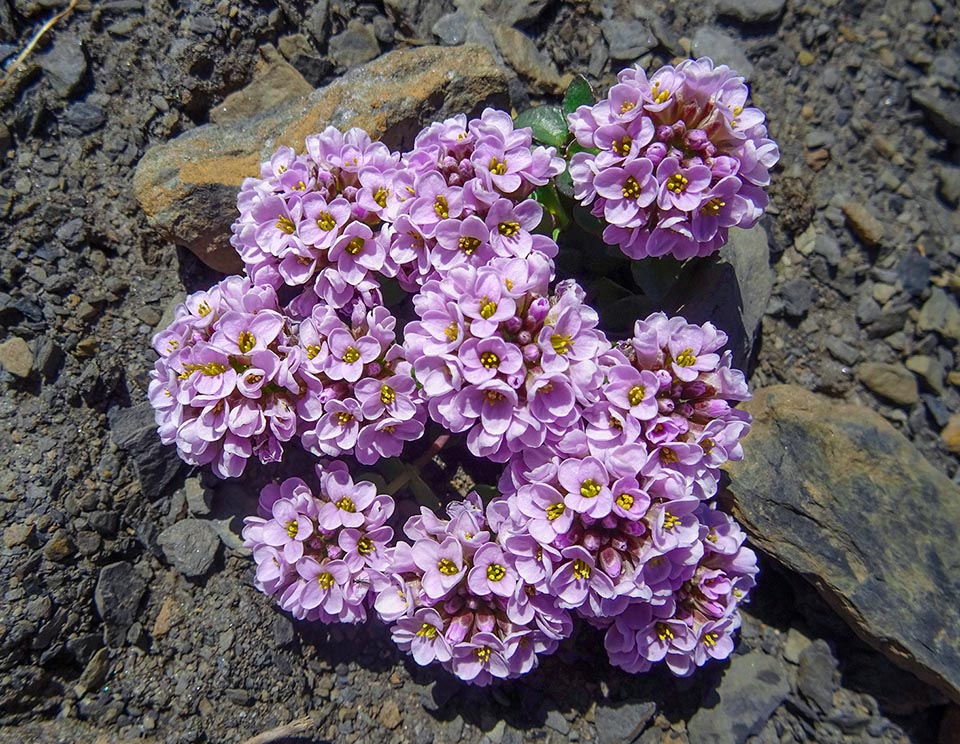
(413, 470)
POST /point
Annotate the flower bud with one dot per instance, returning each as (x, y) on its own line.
(610, 562)
(524, 338)
(539, 308)
(513, 325)
(531, 353)
(696, 139)
(592, 541)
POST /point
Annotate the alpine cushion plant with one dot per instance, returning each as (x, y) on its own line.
(605, 507)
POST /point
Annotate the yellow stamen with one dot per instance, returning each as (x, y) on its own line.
(495, 572)
(285, 224)
(686, 358)
(670, 521)
(625, 501)
(498, 167)
(380, 197)
(204, 309)
(631, 188)
(487, 308)
(664, 632)
(590, 489)
(447, 567)
(365, 546)
(355, 246)
(622, 146)
(489, 360)
(344, 418)
(508, 229)
(292, 528)
(468, 245)
(493, 396)
(677, 183)
(441, 207)
(627, 106)
(635, 396)
(326, 222)
(351, 355)
(713, 206)
(246, 342)
(427, 631)
(451, 332)
(668, 456)
(561, 343)
(325, 580)
(346, 504)
(555, 510)
(581, 569)
(387, 395)
(483, 654)
(710, 640)
(312, 351)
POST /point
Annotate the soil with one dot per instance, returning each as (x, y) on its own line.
(863, 229)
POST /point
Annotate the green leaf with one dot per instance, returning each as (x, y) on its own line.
(593, 225)
(486, 492)
(423, 493)
(550, 199)
(548, 123)
(564, 183)
(656, 276)
(578, 94)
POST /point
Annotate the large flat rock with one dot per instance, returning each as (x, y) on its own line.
(837, 494)
(188, 187)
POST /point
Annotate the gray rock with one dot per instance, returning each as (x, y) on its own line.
(624, 723)
(948, 184)
(913, 271)
(117, 598)
(188, 187)
(416, 17)
(816, 675)
(845, 513)
(298, 52)
(943, 113)
(65, 65)
(354, 46)
(198, 497)
(731, 290)
(752, 688)
(891, 381)
(722, 48)
(929, 369)
(516, 12)
(94, 673)
(190, 546)
(798, 295)
(751, 11)
(134, 431)
(83, 118)
(531, 64)
(627, 38)
(941, 314)
(315, 22)
(841, 350)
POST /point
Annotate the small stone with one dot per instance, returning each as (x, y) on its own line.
(117, 598)
(135, 431)
(521, 53)
(798, 295)
(390, 715)
(622, 723)
(190, 546)
(16, 357)
(722, 48)
(752, 688)
(940, 314)
(796, 643)
(94, 674)
(913, 271)
(891, 381)
(806, 58)
(198, 498)
(355, 45)
(17, 534)
(164, 621)
(627, 38)
(948, 184)
(828, 247)
(751, 11)
(149, 315)
(943, 113)
(59, 547)
(951, 434)
(841, 350)
(65, 65)
(816, 676)
(85, 117)
(929, 369)
(883, 292)
(864, 225)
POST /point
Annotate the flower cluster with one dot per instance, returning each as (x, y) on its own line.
(332, 221)
(673, 161)
(315, 553)
(611, 452)
(225, 387)
(499, 359)
(458, 597)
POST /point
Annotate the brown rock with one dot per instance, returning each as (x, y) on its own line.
(864, 225)
(891, 381)
(390, 715)
(951, 434)
(275, 84)
(17, 534)
(16, 357)
(188, 187)
(521, 53)
(164, 619)
(58, 547)
(836, 494)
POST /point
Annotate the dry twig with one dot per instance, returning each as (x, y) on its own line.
(36, 38)
(300, 726)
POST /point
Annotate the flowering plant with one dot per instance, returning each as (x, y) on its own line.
(393, 301)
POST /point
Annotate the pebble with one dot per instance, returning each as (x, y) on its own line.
(951, 434)
(83, 118)
(627, 38)
(354, 46)
(798, 295)
(17, 534)
(827, 246)
(863, 223)
(59, 547)
(891, 381)
(161, 626)
(65, 65)
(622, 723)
(117, 598)
(795, 644)
(722, 48)
(190, 546)
(390, 715)
(841, 350)
(913, 272)
(816, 675)
(929, 369)
(941, 314)
(948, 184)
(751, 11)
(943, 113)
(94, 673)
(16, 357)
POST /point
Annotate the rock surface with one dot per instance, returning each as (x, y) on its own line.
(188, 187)
(836, 494)
(751, 689)
(190, 546)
